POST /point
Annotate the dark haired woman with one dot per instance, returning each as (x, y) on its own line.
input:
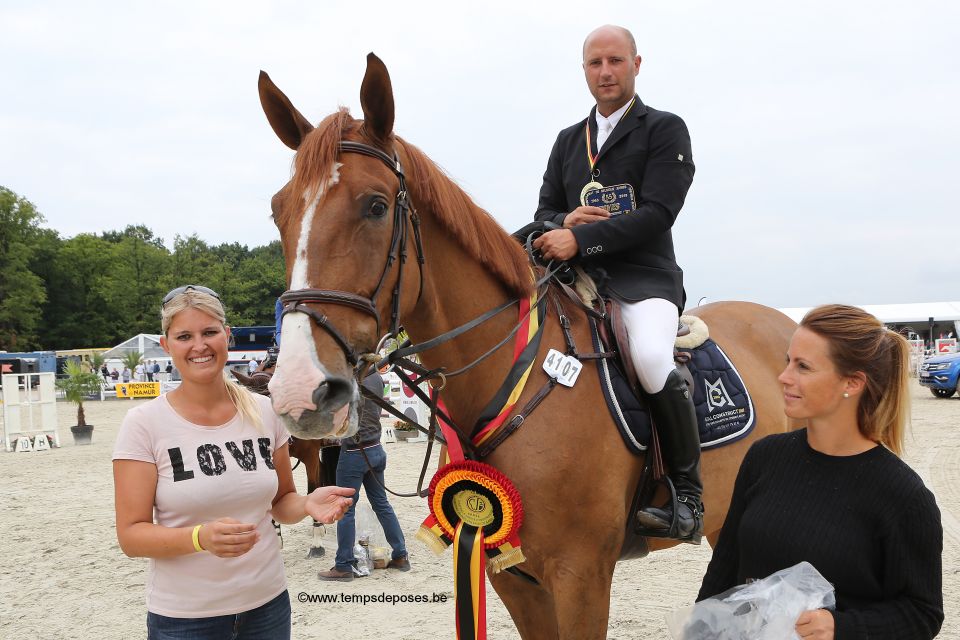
(836, 493)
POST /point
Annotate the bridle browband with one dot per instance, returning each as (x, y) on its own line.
(296, 300)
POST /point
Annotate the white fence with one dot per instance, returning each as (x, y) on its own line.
(29, 407)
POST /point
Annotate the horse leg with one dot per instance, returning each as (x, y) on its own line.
(581, 596)
(314, 469)
(529, 604)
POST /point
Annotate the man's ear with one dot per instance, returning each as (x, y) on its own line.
(163, 344)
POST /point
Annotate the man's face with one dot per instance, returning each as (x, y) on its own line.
(610, 69)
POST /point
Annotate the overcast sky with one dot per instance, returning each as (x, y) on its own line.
(825, 134)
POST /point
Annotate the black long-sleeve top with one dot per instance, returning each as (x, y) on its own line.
(866, 522)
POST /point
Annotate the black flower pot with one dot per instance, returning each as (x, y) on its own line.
(82, 435)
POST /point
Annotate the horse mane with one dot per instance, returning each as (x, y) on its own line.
(474, 229)
(472, 226)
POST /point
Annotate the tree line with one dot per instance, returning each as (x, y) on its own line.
(97, 290)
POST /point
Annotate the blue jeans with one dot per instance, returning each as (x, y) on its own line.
(352, 471)
(270, 621)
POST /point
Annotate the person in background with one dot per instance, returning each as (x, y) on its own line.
(836, 494)
(125, 376)
(198, 474)
(362, 463)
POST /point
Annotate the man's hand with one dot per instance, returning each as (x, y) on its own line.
(585, 215)
(816, 624)
(559, 244)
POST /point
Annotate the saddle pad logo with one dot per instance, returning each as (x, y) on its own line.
(717, 396)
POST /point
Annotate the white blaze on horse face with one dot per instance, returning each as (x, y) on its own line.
(299, 371)
(298, 276)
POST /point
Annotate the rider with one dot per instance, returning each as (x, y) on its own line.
(645, 155)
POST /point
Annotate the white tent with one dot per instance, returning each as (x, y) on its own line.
(147, 344)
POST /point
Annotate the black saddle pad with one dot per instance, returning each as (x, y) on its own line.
(724, 408)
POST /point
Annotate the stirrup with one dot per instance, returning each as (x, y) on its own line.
(673, 531)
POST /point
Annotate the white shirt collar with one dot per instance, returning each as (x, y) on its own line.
(614, 117)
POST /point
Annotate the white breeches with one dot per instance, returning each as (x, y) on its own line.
(652, 329)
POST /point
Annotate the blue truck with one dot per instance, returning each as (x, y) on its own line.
(941, 374)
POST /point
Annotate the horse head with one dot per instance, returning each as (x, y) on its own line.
(344, 227)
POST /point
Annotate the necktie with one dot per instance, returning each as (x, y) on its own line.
(603, 133)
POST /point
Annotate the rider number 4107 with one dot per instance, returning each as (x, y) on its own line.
(564, 368)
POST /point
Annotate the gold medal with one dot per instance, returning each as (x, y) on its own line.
(590, 186)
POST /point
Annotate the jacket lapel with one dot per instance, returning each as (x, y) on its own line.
(629, 122)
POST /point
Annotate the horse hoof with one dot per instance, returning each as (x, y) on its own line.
(316, 552)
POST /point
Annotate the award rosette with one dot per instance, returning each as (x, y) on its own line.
(477, 509)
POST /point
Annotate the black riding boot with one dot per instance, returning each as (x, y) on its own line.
(673, 413)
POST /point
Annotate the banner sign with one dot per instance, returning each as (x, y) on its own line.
(946, 345)
(138, 389)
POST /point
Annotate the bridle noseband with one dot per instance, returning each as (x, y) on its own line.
(296, 300)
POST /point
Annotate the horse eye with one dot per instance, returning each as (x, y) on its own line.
(378, 208)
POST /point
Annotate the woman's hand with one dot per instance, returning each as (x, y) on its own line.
(228, 538)
(816, 624)
(328, 504)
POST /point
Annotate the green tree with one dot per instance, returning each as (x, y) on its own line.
(21, 290)
(78, 311)
(135, 283)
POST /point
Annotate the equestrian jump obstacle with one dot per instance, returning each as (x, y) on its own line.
(29, 411)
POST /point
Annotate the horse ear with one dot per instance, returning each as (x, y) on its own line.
(376, 99)
(289, 125)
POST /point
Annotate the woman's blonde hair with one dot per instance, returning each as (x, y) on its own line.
(860, 342)
(241, 398)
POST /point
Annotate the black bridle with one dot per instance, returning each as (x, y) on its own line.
(296, 300)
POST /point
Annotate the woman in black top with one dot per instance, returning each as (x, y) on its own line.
(836, 494)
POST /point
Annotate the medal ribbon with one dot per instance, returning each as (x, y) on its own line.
(592, 157)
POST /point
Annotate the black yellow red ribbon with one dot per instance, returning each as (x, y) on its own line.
(591, 156)
(477, 509)
(472, 505)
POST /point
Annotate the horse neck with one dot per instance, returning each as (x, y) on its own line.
(457, 289)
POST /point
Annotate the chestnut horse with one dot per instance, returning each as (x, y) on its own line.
(340, 218)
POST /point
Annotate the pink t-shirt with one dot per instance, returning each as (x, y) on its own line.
(206, 473)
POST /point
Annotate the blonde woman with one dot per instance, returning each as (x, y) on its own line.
(198, 473)
(836, 493)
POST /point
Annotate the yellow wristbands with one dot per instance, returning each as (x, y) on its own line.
(196, 538)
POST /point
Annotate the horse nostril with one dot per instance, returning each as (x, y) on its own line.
(320, 393)
(333, 393)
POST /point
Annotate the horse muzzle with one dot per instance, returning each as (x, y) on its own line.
(326, 409)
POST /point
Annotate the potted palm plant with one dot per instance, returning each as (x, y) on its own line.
(130, 360)
(77, 386)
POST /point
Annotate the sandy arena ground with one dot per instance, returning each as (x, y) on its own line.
(64, 575)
